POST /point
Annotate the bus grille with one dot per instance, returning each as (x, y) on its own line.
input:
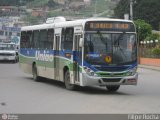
(111, 74)
(112, 69)
(111, 79)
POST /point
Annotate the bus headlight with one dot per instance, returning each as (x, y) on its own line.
(131, 72)
(89, 71)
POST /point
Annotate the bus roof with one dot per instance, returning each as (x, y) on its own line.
(80, 22)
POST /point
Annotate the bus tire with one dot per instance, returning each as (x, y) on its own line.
(113, 88)
(35, 74)
(67, 80)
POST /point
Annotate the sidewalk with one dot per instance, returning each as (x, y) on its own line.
(149, 67)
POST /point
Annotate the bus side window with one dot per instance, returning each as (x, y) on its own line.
(36, 38)
(62, 38)
(50, 39)
(30, 39)
(23, 39)
(43, 39)
(68, 40)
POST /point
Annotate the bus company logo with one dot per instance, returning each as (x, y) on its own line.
(4, 116)
(44, 56)
(112, 74)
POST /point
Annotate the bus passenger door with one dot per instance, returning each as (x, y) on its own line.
(56, 58)
(77, 58)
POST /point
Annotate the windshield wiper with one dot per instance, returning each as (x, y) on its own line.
(101, 37)
(118, 39)
(118, 46)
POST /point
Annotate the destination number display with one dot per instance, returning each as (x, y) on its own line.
(112, 26)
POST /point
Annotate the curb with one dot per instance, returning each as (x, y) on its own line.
(149, 67)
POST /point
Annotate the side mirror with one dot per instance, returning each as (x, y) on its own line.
(81, 42)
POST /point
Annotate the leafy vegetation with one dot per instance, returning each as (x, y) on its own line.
(153, 36)
(14, 2)
(147, 10)
(156, 51)
(42, 3)
(9, 2)
(32, 20)
(143, 29)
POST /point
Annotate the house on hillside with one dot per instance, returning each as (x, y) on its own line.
(65, 2)
(11, 10)
(36, 12)
(74, 5)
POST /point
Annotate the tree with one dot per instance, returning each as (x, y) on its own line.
(32, 20)
(153, 36)
(143, 29)
(147, 10)
(122, 8)
(51, 3)
(9, 2)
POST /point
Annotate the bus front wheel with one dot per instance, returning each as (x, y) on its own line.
(113, 88)
(34, 72)
(67, 81)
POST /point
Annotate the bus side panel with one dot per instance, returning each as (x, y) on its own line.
(26, 58)
(45, 63)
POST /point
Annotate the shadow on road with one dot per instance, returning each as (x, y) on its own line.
(84, 90)
(98, 90)
(7, 62)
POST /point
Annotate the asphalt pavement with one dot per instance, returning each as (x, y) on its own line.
(20, 94)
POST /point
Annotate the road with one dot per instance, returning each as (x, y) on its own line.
(20, 94)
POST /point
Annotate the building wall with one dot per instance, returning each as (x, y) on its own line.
(8, 28)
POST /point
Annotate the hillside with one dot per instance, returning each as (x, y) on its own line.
(98, 8)
(37, 11)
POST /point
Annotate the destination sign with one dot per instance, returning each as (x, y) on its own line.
(112, 26)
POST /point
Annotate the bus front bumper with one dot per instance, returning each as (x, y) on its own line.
(101, 81)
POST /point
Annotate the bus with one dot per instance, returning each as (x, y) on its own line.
(84, 52)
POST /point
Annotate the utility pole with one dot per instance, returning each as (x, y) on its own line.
(131, 9)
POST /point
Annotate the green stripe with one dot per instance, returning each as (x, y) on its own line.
(62, 62)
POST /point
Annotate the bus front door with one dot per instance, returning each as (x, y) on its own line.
(77, 59)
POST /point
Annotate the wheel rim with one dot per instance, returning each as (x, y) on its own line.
(68, 81)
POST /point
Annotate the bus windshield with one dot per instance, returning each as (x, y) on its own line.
(110, 48)
(7, 47)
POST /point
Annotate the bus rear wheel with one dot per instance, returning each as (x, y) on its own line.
(67, 81)
(113, 88)
(34, 72)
